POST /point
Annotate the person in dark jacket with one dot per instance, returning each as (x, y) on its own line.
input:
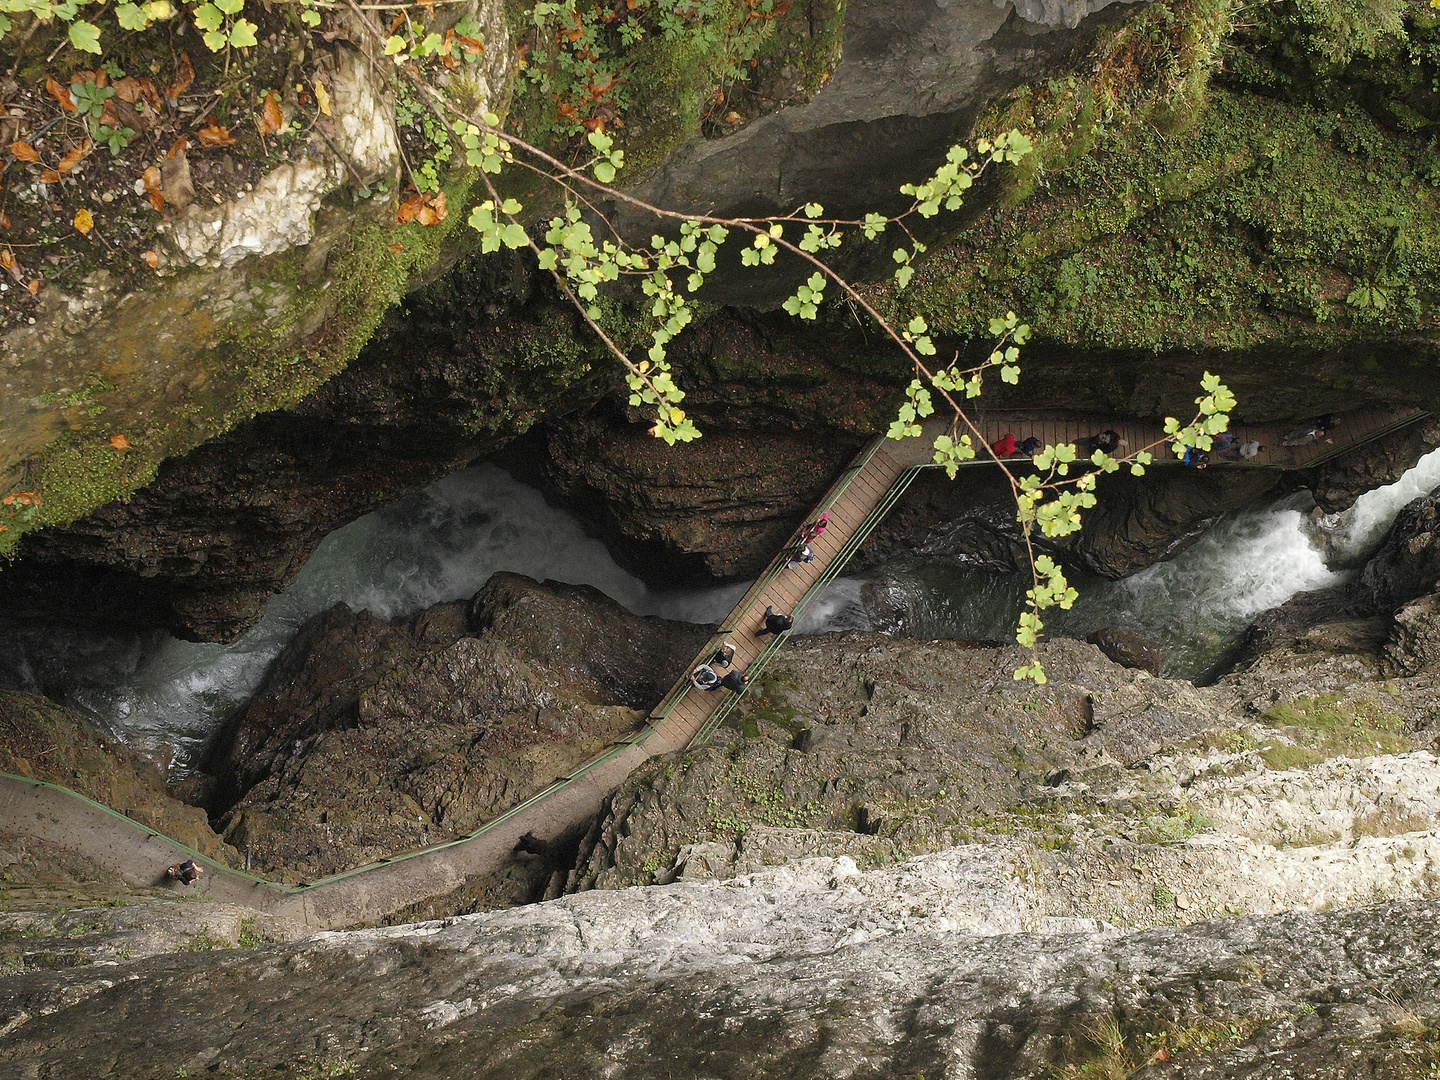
(1031, 446)
(775, 624)
(704, 678)
(735, 681)
(187, 872)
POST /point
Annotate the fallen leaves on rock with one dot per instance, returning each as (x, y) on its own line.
(119, 442)
(24, 498)
(23, 151)
(9, 263)
(184, 76)
(84, 221)
(175, 184)
(270, 119)
(151, 179)
(152, 259)
(212, 135)
(76, 155)
(322, 98)
(61, 93)
(422, 209)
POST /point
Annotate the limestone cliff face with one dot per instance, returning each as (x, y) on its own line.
(817, 971)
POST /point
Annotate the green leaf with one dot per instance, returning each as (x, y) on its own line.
(85, 36)
(130, 17)
(229, 7)
(310, 17)
(513, 236)
(604, 172)
(393, 44)
(208, 17)
(242, 34)
(903, 275)
(214, 40)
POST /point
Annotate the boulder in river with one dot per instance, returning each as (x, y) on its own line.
(1127, 648)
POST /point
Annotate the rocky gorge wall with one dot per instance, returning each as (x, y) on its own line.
(486, 354)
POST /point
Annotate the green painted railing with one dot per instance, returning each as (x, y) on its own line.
(832, 571)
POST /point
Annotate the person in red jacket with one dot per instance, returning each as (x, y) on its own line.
(1005, 447)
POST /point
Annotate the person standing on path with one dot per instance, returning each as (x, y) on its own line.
(813, 530)
(735, 681)
(775, 624)
(804, 555)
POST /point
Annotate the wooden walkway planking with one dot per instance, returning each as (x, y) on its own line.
(370, 893)
(686, 711)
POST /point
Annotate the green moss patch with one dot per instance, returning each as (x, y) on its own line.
(1332, 726)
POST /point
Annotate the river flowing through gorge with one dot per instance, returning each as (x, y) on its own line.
(168, 697)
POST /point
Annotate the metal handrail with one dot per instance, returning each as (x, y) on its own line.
(831, 572)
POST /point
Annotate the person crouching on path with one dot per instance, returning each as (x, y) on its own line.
(704, 678)
(1004, 446)
(187, 872)
(775, 624)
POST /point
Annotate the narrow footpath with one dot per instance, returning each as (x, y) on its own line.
(855, 504)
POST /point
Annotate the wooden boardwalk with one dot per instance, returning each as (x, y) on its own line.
(856, 502)
(876, 479)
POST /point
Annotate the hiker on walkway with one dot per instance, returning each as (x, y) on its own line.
(704, 678)
(187, 872)
(1197, 458)
(1108, 441)
(1222, 443)
(804, 555)
(813, 530)
(1315, 433)
(735, 681)
(724, 655)
(1248, 450)
(1031, 446)
(775, 624)
(1004, 446)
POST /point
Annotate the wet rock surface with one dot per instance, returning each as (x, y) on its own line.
(43, 741)
(812, 971)
(1127, 648)
(370, 738)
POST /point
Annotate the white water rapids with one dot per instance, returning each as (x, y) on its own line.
(168, 696)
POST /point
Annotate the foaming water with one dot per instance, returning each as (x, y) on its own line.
(1195, 606)
(1364, 525)
(168, 696)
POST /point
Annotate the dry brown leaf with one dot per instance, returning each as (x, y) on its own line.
(175, 183)
(396, 248)
(178, 146)
(322, 98)
(270, 118)
(84, 221)
(128, 89)
(120, 442)
(406, 211)
(24, 498)
(110, 114)
(439, 204)
(60, 93)
(32, 286)
(470, 44)
(214, 135)
(49, 176)
(184, 76)
(23, 151)
(152, 178)
(8, 263)
(4, 220)
(74, 157)
(151, 95)
(152, 259)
